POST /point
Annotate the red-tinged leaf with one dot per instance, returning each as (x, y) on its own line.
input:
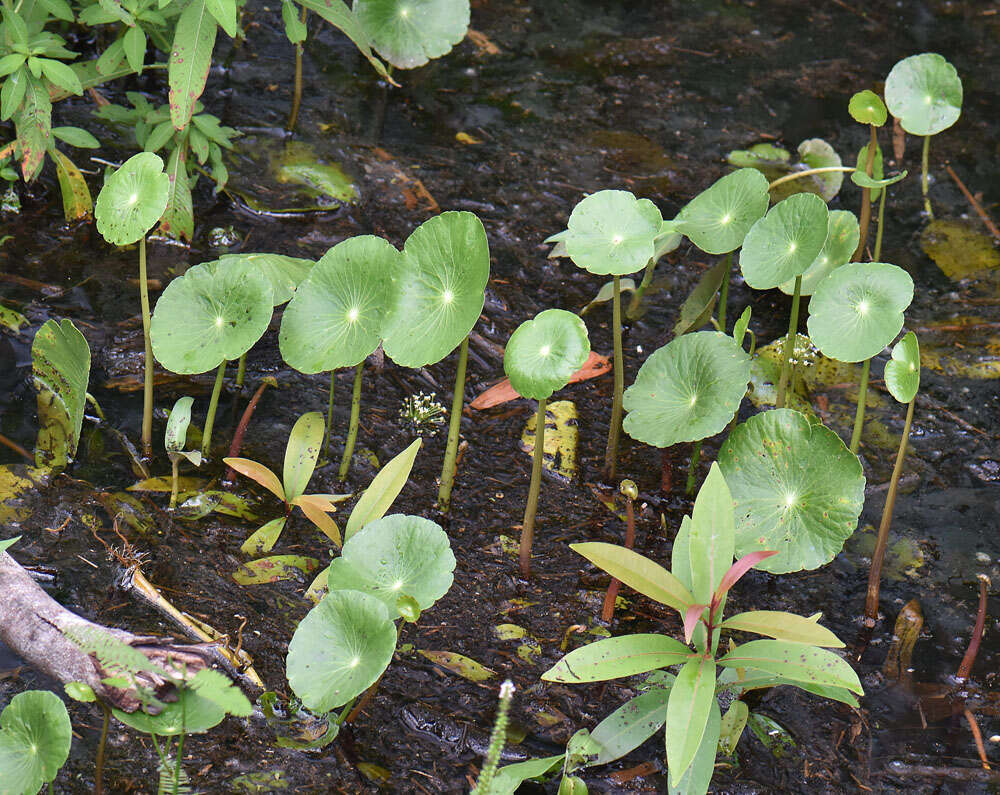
(33, 123)
(739, 568)
(190, 60)
(596, 365)
(258, 472)
(691, 616)
(315, 513)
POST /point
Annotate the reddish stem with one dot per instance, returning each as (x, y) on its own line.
(608, 611)
(965, 669)
(241, 429)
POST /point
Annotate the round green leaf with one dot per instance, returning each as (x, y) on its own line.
(189, 714)
(798, 490)
(408, 33)
(284, 273)
(718, 219)
(339, 649)
(902, 373)
(842, 236)
(613, 232)
(544, 352)
(867, 107)
(132, 199)
(35, 737)
(335, 317)
(858, 310)
(784, 243)
(396, 556)
(439, 284)
(208, 316)
(925, 93)
(687, 390)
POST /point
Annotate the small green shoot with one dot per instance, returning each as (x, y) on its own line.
(175, 440)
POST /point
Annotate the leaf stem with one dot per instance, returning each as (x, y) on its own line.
(647, 278)
(786, 359)
(293, 114)
(866, 197)
(875, 574)
(174, 460)
(724, 292)
(352, 431)
(859, 414)
(611, 454)
(881, 223)
(808, 173)
(454, 430)
(101, 745)
(693, 468)
(329, 415)
(213, 404)
(147, 381)
(530, 508)
(924, 187)
(241, 370)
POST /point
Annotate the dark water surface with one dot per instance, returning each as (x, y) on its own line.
(580, 96)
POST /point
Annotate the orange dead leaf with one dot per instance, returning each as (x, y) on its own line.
(503, 392)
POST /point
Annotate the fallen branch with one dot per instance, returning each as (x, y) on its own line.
(32, 625)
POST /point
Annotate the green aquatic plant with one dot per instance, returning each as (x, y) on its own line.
(702, 572)
(611, 232)
(336, 319)
(781, 246)
(687, 391)
(409, 33)
(440, 290)
(925, 93)
(866, 107)
(395, 567)
(301, 453)
(212, 314)
(175, 440)
(876, 185)
(798, 489)
(855, 312)
(842, 235)
(818, 168)
(35, 738)
(541, 357)
(498, 737)
(902, 379)
(130, 203)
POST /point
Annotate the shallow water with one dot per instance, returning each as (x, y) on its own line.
(648, 97)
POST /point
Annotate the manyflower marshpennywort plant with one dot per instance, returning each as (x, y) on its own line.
(130, 203)
(541, 357)
(703, 572)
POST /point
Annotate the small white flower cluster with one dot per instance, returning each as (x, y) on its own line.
(422, 413)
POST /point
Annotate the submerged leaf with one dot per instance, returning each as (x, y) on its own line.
(273, 569)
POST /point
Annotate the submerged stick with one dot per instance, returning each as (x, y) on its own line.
(875, 574)
(213, 405)
(147, 379)
(786, 359)
(352, 431)
(454, 428)
(611, 454)
(530, 508)
(983, 215)
(859, 414)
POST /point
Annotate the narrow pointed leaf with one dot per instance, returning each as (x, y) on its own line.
(301, 453)
(177, 425)
(741, 567)
(783, 626)
(258, 472)
(795, 662)
(630, 725)
(688, 711)
(190, 60)
(384, 489)
(614, 658)
(316, 513)
(638, 572)
(712, 538)
(264, 538)
(698, 776)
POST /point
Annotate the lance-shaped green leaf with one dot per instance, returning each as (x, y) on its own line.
(784, 243)
(408, 33)
(207, 316)
(132, 199)
(680, 554)
(925, 93)
(842, 236)
(384, 489)
(613, 232)
(177, 425)
(544, 352)
(191, 713)
(733, 724)
(190, 60)
(178, 216)
(630, 725)
(867, 107)
(878, 169)
(858, 310)
(335, 319)
(285, 273)
(394, 556)
(687, 390)
(795, 662)
(301, 453)
(798, 489)
(614, 658)
(510, 777)
(35, 737)
(339, 649)
(712, 535)
(7, 543)
(902, 373)
(688, 709)
(264, 537)
(718, 218)
(637, 572)
(697, 308)
(439, 285)
(697, 778)
(60, 362)
(784, 626)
